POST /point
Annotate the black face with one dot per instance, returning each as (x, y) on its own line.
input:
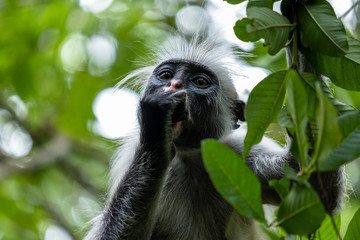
(202, 106)
(184, 74)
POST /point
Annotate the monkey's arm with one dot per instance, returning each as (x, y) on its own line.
(129, 213)
(267, 158)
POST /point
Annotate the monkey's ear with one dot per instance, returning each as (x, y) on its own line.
(239, 110)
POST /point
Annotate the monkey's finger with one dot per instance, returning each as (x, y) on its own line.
(181, 112)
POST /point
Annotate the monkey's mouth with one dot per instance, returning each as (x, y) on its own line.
(181, 113)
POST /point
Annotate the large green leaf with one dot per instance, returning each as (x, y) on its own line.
(349, 149)
(297, 105)
(320, 30)
(329, 135)
(349, 122)
(343, 71)
(301, 212)
(263, 106)
(353, 230)
(327, 230)
(350, 98)
(233, 178)
(284, 119)
(311, 79)
(260, 3)
(270, 25)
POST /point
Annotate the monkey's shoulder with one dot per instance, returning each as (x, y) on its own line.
(235, 140)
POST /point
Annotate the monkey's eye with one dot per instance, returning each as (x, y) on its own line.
(165, 75)
(201, 82)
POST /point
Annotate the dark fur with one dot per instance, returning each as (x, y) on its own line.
(166, 192)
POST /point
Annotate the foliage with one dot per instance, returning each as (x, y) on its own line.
(56, 185)
(234, 180)
(325, 132)
(353, 231)
(49, 80)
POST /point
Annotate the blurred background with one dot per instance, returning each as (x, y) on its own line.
(60, 117)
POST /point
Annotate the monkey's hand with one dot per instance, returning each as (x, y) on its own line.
(159, 113)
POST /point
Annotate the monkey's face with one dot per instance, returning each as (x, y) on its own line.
(196, 106)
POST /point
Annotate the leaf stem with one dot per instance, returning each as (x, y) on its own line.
(292, 25)
(335, 227)
(349, 10)
(272, 223)
(294, 64)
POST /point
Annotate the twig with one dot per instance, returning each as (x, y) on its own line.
(349, 10)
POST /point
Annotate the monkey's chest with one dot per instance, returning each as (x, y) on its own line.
(190, 208)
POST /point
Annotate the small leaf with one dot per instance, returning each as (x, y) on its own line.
(353, 230)
(328, 135)
(243, 30)
(233, 178)
(291, 174)
(349, 149)
(344, 71)
(234, 1)
(271, 26)
(327, 231)
(264, 104)
(281, 186)
(297, 106)
(320, 30)
(301, 212)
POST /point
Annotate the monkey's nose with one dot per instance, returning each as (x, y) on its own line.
(174, 84)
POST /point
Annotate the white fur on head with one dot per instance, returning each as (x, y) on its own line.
(217, 56)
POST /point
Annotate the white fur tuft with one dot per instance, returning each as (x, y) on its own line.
(217, 56)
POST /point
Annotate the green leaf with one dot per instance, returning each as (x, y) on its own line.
(344, 71)
(349, 149)
(329, 135)
(297, 106)
(233, 178)
(243, 30)
(327, 231)
(301, 212)
(349, 122)
(260, 3)
(292, 175)
(311, 80)
(320, 30)
(264, 104)
(284, 119)
(271, 26)
(350, 98)
(234, 1)
(353, 230)
(281, 186)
